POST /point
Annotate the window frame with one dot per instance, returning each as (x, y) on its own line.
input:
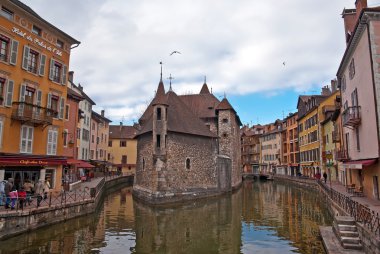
(29, 129)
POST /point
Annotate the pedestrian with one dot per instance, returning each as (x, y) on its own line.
(22, 197)
(14, 196)
(325, 176)
(28, 187)
(7, 189)
(2, 193)
(39, 191)
(46, 188)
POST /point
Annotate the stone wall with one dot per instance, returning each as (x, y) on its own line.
(146, 176)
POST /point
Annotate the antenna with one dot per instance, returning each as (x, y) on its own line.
(161, 71)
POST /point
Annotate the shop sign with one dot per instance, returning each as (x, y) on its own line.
(33, 162)
(36, 41)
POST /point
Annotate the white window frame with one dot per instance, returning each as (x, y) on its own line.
(52, 141)
(29, 129)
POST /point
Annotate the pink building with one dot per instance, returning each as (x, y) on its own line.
(358, 76)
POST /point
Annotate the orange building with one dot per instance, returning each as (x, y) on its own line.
(34, 59)
(290, 155)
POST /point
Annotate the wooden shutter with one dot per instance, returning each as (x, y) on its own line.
(51, 69)
(22, 92)
(61, 108)
(39, 102)
(9, 94)
(64, 75)
(14, 49)
(54, 142)
(42, 64)
(25, 58)
(49, 142)
(29, 146)
(48, 105)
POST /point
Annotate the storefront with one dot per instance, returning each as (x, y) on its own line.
(32, 168)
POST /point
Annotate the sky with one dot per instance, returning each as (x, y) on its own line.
(261, 54)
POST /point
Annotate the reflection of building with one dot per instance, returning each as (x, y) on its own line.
(250, 148)
(203, 226)
(34, 60)
(122, 148)
(187, 146)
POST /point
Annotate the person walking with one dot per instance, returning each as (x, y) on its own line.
(14, 196)
(325, 176)
(46, 189)
(7, 189)
(39, 191)
(22, 197)
(28, 187)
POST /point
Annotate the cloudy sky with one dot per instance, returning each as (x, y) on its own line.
(241, 46)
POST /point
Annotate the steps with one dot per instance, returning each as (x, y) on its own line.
(345, 229)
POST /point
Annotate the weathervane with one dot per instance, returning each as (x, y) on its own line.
(170, 82)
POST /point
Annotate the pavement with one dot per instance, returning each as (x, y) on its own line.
(332, 244)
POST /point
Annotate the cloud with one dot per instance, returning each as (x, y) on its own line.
(239, 45)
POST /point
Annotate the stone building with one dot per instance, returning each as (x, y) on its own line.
(187, 147)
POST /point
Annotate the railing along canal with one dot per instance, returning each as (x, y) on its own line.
(369, 218)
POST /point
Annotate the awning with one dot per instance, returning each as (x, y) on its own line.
(359, 164)
(31, 160)
(79, 163)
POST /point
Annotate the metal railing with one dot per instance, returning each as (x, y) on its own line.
(351, 116)
(24, 111)
(369, 218)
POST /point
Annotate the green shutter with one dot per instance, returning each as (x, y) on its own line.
(25, 58)
(61, 108)
(42, 65)
(48, 105)
(51, 69)
(14, 49)
(64, 75)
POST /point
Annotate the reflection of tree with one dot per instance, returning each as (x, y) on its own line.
(202, 226)
(293, 212)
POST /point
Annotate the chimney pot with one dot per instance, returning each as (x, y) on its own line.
(102, 113)
(71, 76)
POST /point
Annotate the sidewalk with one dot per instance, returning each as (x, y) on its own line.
(372, 204)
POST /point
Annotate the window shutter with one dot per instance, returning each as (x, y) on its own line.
(64, 75)
(9, 94)
(22, 92)
(23, 139)
(42, 65)
(25, 58)
(39, 98)
(54, 143)
(30, 139)
(61, 108)
(48, 100)
(14, 49)
(51, 69)
(49, 142)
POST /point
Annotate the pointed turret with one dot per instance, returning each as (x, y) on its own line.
(204, 89)
(160, 97)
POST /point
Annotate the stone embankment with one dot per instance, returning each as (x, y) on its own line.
(340, 202)
(58, 207)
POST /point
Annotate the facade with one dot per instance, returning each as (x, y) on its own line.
(122, 148)
(187, 147)
(250, 148)
(308, 130)
(34, 59)
(358, 79)
(290, 155)
(99, 142)
(270, 142)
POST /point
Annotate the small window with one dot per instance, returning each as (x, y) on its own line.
(158, 141)
(110, 143)
(4, 48)
(67, 115)
(158, 113)
(6, 13)
(225, 135)
(123, 143)
(188, 164)
(59, 44)
(225, 120)
(36, 30)
(124, 159)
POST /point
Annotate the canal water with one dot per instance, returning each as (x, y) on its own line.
(261, 217)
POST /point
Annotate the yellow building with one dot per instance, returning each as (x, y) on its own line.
(326, 110)
(308, 129)
(122, 148)
(34, 59)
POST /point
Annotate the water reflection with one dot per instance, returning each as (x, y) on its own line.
(259, 218)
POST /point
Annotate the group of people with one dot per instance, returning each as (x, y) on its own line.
(10, 195)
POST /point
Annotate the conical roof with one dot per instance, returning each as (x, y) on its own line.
(160, 97)
(204, 89)
(225, 105)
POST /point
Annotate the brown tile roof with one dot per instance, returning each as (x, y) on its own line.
(180, 119)
(99, 118)
(74, 95)
(202, 105)
(225, 105)
(122, 131)
(160, 97)
(204, 89)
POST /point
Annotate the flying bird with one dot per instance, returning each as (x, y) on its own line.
(283, 63)
(175, 52)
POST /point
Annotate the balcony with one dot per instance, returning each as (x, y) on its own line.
(351, 116)
(34, 114)
(341, 155)
(336, 136)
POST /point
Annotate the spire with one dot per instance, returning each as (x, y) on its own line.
(161, 72)
(204, 89)
(170, 80)
(160, 97)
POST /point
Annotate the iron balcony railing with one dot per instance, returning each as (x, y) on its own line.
(341, 155)
(352, 116)
(27, 112)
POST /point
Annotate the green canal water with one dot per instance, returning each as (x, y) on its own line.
(261, 217)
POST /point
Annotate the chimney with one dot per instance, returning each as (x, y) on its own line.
(360, 5)
(71, 76)
(325, 91)
(102, 113)
(80, 87)
(334, 86)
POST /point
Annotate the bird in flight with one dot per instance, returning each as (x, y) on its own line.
(175, 52)
(283, 63)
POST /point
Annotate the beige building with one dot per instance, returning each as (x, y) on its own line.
(271, 148)
(122, 148)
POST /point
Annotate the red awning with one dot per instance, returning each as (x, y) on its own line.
(79, 163)
(359, 164)
(30, 160)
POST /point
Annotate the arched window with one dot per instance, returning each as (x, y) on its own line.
(188, 166)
